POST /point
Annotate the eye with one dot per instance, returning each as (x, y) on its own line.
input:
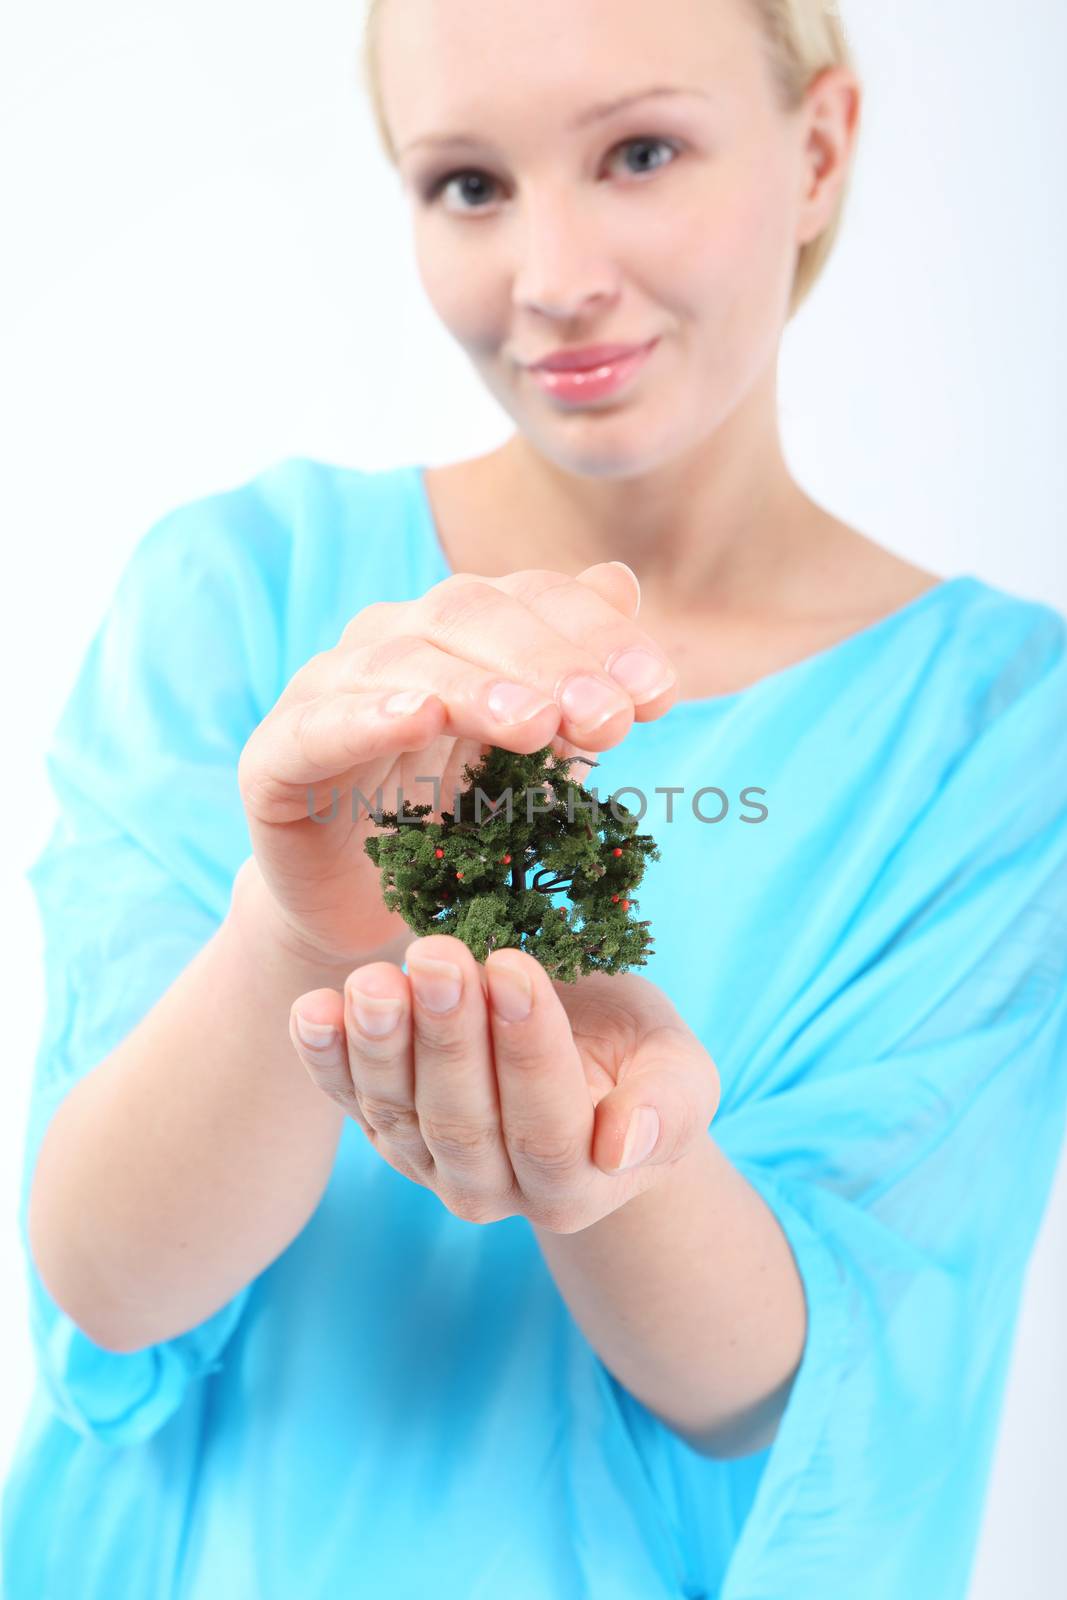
(664, 144)
(436, 186)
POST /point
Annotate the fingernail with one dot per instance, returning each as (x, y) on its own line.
(634, 576)
(514, 702)
(641, 674)
(510, 993)
(641, 1137)
(589, 703)
(437, 984)
(376, 1015)
(316, 1035)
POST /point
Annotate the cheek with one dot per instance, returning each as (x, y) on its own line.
(733, 263)
(460, 281)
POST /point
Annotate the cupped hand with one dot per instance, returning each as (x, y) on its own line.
(516, 1099)
(413, 693)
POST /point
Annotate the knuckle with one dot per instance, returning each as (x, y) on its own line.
(452, 604)
(552, 1152)
(313, 667)
(558, 1218)
(303, 722)
(248, 776)
(310, 736)
(449, 1048)
(307, 683)
(260, 791)
(459, 1141)
(367, 618)
(533, 580)
(544, 580)
(305, 680)
(391, 1118)
(342, 1097)
(356, 1114)
(374, 659)
(475, 1208)
(370, 1052)
(415, 1169)
(447, 586)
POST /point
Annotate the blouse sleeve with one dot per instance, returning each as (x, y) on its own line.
(134, 878)
(906, 1133)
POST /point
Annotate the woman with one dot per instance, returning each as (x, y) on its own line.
(756, 1346)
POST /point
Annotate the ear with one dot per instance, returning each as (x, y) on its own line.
(618, 583)
(830, 125)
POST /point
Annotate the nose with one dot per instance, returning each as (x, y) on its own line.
(563, 270)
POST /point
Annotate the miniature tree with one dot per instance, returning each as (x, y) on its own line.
(469, 875)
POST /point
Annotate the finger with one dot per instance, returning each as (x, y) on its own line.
(618, 583)
(614, 581)
(317, 1031)
(315, 744)
(377, 1020)
(554, 635)
(620, 587)
(455, 1085)
(545, 1106)
(595, 609)
(662, 1107)
(589, 616)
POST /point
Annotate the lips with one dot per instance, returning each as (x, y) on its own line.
(588, 358)
(583, 386)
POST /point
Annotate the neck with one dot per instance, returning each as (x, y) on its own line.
(718, 526)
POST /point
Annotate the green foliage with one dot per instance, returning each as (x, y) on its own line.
(471, 891)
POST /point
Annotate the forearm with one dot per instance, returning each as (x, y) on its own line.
(186, 1161)
(690, 1295)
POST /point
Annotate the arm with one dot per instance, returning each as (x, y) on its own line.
(691, 1296)
(184, 1163)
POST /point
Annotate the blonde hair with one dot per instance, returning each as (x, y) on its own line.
(803, 38)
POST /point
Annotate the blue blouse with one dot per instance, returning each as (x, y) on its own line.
(402, 1404)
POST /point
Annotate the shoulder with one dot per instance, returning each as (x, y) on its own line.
(300, 544)
(1016, 655)
(986, 634)
(284, 502)
(989, 707)
(981, 669)
(1010, 642)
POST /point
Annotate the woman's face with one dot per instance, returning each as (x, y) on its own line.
(677, 218)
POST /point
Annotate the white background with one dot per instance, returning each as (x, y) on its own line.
(207, 267)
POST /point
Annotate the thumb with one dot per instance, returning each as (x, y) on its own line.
(618, 583)
(655, 1114)
(636, 1132)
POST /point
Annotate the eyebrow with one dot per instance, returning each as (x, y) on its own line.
(595, 113)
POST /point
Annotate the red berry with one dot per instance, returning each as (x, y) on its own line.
(616, 851)
(438, 854)
(626, 905)
(459, 874)
(506, 860)
(614, 899)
